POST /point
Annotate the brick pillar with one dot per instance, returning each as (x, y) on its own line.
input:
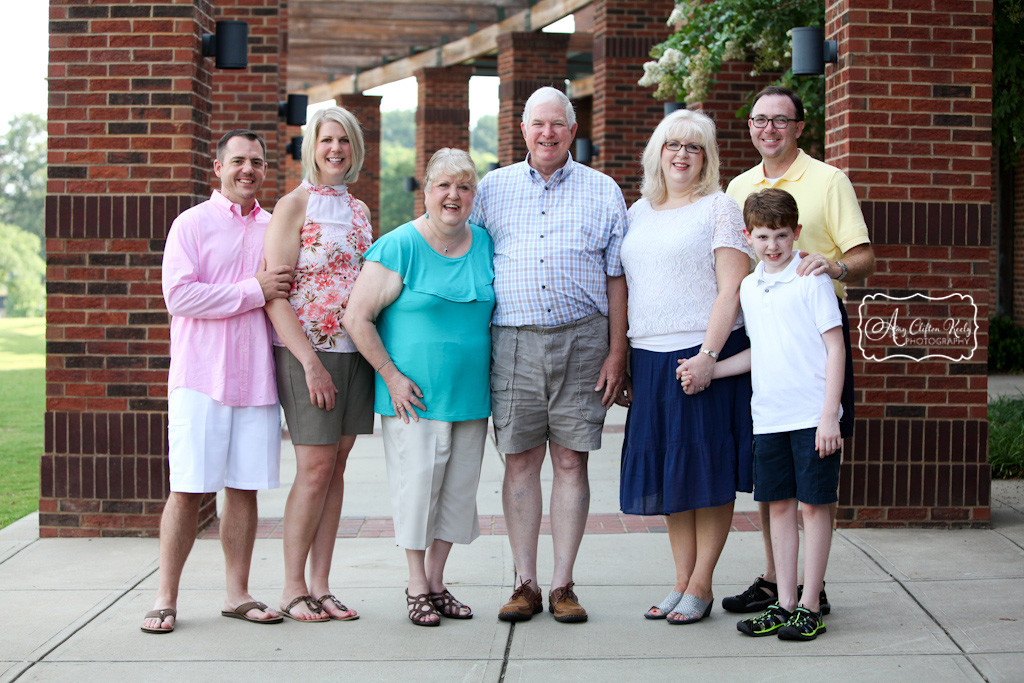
(129, 136)
(526, 61)
(442, 116)
(248, 98)
(367, 109)
(733, 90)
(909, 118)
(624, 113)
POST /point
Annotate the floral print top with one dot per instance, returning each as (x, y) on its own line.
(334, 237)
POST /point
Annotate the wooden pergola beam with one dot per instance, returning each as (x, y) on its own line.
(481, 43)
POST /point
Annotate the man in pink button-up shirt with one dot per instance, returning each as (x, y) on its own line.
(223, 416)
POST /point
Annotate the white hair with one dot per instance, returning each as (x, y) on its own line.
(549, 94)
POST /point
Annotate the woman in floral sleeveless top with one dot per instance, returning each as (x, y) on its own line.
(325, 386)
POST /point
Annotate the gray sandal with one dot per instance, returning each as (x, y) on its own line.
(666, 606)
(692, 609)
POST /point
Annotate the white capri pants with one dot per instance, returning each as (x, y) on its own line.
(212, 445)
(433, 474)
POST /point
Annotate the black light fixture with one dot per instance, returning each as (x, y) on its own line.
(811, 51)
(670, 107)
(586, 150)
(293, 110)
(493, 166)
(229, 45)
(294, 148)
(411, 184)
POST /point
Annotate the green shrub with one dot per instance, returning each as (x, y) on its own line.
(1006, 437)
(1005, 345)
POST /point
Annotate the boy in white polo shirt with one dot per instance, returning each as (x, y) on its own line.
(796, 361)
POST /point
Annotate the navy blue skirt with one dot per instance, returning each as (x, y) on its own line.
(685, 452)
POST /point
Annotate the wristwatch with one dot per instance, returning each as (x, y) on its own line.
(845, 268)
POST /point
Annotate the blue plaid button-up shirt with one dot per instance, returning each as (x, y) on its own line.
(555, 242)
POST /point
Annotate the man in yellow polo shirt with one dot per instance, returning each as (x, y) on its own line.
(835, 237)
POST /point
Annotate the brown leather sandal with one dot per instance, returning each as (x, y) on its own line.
(420, 608)
(445, 603)
(311, 604)
(352, 616)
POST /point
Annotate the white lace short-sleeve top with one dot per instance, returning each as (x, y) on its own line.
(669, 260)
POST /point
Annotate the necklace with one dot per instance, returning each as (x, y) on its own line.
(438, 235)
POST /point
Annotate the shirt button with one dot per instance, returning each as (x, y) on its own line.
(542, 236)
(542, 260)
(765, 290)
(542, 213)
(549, 310)
(543, 286)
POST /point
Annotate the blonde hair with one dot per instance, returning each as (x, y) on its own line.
(683, 125)
(350, 123)
(449, 161)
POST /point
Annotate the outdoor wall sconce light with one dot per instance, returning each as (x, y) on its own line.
(411, 184)
(673, 106)
(229, 45)
(294, 147)
(811, 51)
(586, 150)
(293, 110)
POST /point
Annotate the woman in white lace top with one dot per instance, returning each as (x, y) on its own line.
(685, 453)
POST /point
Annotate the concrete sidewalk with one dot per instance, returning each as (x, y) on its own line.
(907, 604)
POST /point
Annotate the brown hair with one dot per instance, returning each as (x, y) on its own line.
(222, 144)
(771, 208)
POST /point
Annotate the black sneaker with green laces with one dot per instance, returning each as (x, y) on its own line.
(766, 623)
(757, 597)
(802, 625)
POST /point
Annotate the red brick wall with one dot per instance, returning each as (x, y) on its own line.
(367, 109)
(625, 114)
(442, 116)
(129, 136)
(526, 61)
(248, 98)
(909, 118)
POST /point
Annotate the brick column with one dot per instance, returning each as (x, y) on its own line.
(909, 118)
(732, 91)
(129, 137)
(442, 116)
(367, 188)
(526, 61)
(624, 113)
(248, 98)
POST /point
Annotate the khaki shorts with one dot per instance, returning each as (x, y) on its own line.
(310, 425)
(542, 384)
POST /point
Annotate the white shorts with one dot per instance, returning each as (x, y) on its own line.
(433, 473)
(213, 445)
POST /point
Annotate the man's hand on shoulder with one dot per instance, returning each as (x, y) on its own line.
(276, 282)
(816, 264)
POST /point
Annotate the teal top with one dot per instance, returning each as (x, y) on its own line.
(437, 331)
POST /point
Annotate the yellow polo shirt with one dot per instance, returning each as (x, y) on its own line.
(829, 212)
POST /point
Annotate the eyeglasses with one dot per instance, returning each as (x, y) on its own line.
(675, 146)
(779, 122)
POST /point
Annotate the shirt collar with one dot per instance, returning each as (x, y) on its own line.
(557, 177)
(787, 274)
(792, 174)
(229, 206)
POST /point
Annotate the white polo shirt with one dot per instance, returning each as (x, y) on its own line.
(785, 315)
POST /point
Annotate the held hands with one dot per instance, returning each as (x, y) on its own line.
(405, 396)
(276, 282)
(321, 386)
(694, 374)
(827, 439)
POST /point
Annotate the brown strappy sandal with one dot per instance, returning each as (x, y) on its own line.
(445, 603)
(420, 608)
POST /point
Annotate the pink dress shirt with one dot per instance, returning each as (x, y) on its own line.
(220, 337)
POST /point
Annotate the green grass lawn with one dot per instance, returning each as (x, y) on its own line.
(22, 363)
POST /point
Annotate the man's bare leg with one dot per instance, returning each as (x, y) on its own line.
(523, 506)
(237, 538)
(570, 505)
(178, 524)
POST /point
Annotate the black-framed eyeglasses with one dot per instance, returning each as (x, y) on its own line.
(779, 122)
(675, 146)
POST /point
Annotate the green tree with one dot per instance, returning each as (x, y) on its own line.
(21, 272)
(483, 139)
(1008, 79)
(397, 163)
(23, 175)
(398, 127)
(710, 33)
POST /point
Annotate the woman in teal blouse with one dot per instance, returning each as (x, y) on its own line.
(420, 313)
